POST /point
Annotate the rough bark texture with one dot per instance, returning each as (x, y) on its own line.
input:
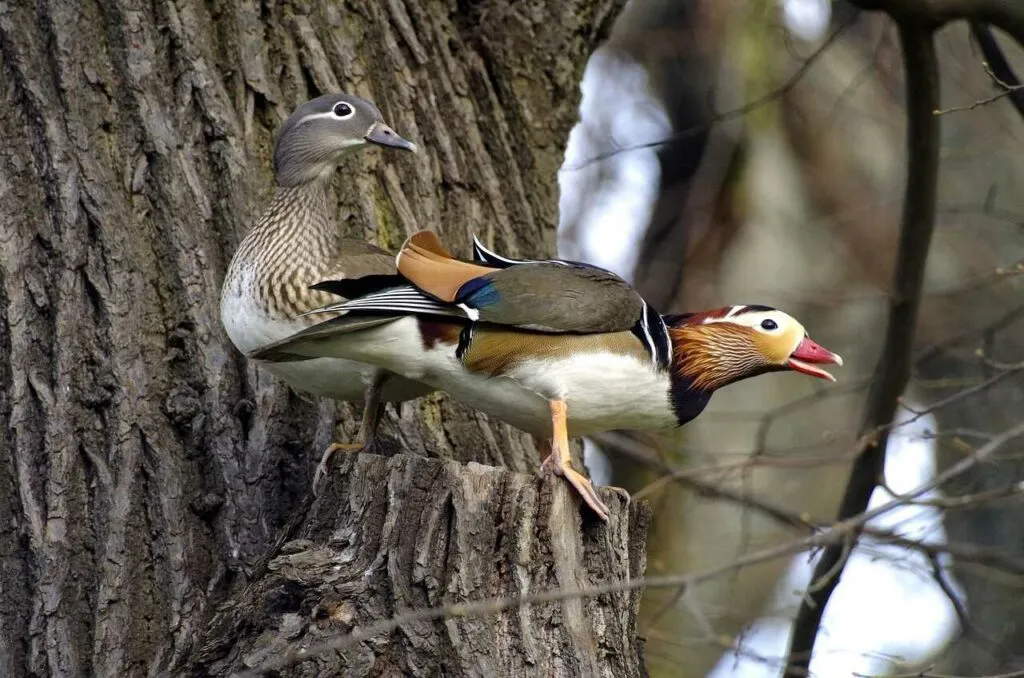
(145, 466)
(409, 533)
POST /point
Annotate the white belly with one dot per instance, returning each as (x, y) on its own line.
(602, 391)
(249, 327)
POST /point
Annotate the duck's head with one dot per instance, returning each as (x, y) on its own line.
(725, 345)
(312, 142)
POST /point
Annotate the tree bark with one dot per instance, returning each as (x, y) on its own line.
(439, 533)
(146, 465)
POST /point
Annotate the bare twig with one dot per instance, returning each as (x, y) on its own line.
(893, 372)
(964, 552)
(998, 65)
(964, 619)
(975, 500)
(983, 453)
(1000, 323)
(928, 673)
(980, 387)
(1005, 91)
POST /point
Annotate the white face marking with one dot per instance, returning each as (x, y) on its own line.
(329, 115)
(337, 142)
(730, 316)
(772, 323)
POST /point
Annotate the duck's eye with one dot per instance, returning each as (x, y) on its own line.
(769, 324)
(343, 110)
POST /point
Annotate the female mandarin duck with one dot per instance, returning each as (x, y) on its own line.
(297, 243)
(555, 348)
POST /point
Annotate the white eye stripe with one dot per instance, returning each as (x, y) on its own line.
(328, 115)
(752, 319)
(729, 317)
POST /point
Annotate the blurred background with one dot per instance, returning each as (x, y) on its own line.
(753, 152)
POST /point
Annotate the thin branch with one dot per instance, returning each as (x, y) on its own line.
(978, 103)
(980, 387)
(894, 368)
(963, 552)
(1001, 70)
(1006, 90)
(927, 673)
(939, 575)
(969, 501)
(964, 619)
(983, 453)
(1000, 323)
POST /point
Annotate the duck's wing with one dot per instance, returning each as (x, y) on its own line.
(546, 296)
(289, 349)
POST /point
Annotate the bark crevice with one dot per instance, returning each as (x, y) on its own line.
(406, 533)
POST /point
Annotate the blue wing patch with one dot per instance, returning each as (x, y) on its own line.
(478, 293)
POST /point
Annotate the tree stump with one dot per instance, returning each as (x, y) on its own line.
(393, 535)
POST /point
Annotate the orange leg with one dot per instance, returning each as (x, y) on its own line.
(560, 461)
(372, 410)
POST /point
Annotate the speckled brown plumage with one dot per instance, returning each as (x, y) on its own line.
(293, 246)
(296, 244)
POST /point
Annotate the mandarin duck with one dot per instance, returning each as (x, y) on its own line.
(555, 348)
(296, 243)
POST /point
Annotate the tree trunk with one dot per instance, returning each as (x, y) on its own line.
(457, 533)
(146, 466)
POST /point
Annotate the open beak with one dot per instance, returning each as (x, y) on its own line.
(383, 135)
(808, 354)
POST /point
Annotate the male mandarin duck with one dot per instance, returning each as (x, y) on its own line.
(555, 348)
(296, 243)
